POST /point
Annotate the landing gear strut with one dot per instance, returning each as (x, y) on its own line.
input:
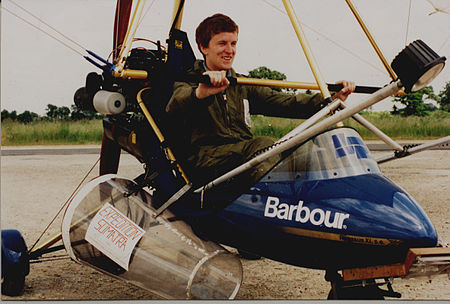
(358, 290)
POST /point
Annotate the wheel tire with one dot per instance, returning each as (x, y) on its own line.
(356, 293)
(14, 272)
(13, 285)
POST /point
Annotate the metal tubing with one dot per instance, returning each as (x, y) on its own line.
(176, 5)
(131, 74)
(377, 132)
(58, 236)
(371, 40)
(313, 119)
(175, 197)
(389, 141)
(158, 133)
(300, 138)
(417, 149)
(132, 27)
(298, 85)
(52, 240)
(277, 83)
(306, 49)
(429, 145)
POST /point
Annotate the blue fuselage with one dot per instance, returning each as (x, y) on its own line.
(326, 205)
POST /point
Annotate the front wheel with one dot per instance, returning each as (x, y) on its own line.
(13, 284)
(356, 293)
(15, 262)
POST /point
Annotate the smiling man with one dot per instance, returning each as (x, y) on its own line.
(217, 116)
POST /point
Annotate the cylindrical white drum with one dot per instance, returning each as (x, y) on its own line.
(117, 233)
(106, 102)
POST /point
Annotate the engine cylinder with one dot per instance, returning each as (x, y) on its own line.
(106, 102)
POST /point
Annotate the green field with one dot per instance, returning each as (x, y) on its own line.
(433, 126)
(51, 133)
(90, 131)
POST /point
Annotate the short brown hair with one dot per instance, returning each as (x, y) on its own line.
(213, 25)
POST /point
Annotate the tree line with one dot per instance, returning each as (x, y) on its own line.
(52, 113)
(415, 104)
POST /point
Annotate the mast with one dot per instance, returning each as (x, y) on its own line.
(177, 15)
(371, 40)
(121, 20)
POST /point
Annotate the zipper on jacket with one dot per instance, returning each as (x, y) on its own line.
(227, 117)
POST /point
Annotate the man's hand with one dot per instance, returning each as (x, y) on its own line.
(349, 87)
(219, 83)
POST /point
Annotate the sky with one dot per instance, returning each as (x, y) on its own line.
(36, 70)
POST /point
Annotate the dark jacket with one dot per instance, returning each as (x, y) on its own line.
(214, 121)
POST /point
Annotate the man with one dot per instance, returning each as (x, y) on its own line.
(218, 115)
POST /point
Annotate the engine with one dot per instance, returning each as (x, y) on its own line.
(109, 95)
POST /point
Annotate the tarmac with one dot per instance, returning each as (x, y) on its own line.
(95, 149)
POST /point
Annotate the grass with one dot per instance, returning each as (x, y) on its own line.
(14, 133)
(436, 125)
(51, 133)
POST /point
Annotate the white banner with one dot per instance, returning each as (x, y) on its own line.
(114, 234)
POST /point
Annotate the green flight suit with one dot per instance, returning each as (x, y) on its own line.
(218, 126)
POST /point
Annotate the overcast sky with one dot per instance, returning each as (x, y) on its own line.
(37, 70)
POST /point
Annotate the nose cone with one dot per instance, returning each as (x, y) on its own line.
(376, 206)
(333, 187)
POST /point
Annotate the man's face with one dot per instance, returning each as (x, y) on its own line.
(221, 51)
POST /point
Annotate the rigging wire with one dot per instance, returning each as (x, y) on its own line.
(437, 9)
(116, 32)
(42, 21)
(131, 31)
(443, 44)
(64, 205)
(40, 29)
(50, 259)
(329, 39)
(407, 23)
(145, 14)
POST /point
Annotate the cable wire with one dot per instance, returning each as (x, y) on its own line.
(64, 205)
(407, 23)
(38, 28)
(330, 40)
(46, 24)
(145, 14)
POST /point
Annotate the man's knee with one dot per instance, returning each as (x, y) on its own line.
(260, 145)
(257, 145)
(263, 141)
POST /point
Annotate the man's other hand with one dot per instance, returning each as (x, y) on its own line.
(349, 87)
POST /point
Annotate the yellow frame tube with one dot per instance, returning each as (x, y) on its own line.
(139, 74)
(132, 27)
(135, 74)
(58, 236)
(371, 40)
(306, 49)
(158, 133)
(176, 4)
(52, 240)
(278, 83)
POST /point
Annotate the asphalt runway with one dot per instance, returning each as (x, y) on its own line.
(94, 149)
(34, 187)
